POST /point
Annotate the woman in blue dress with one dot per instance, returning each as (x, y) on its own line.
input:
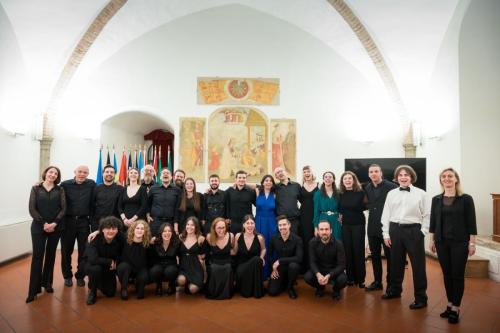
(326, 205)
(265, 217)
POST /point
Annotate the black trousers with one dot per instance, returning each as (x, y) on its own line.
(101, 278)
(339, 282)
(376, 243)
(159, 273)
(453, 258)
(353, 237)
(408, 239)
(288, 274)
(125, 271)
(294, 224)
(42, 271)
(306, 233)
(74, 230)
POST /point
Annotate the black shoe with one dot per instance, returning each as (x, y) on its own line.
(350, 283)
(49, 289)
(91, 298)
(445, 313)
(124, 294)
(80, 282)
(171, 289)
(453, 317)
(417, 305)
(320, 292)
(374, 286)
(336, 295)
(68, 282)
(390, 295)
(361, 286)
(159, 291)
(30, 298)
(292, 293)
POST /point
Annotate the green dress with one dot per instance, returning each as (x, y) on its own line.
(326, 208)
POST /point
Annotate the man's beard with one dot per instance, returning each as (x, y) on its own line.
(325, 238)
(214, 186)
(179, 183)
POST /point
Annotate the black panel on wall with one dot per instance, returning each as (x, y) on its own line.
(360, 167)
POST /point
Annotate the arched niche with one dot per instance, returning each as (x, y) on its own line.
(238, 140)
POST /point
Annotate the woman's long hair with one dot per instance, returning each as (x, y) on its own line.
(184, 198)
(159, 240)
(212, 240)
(273, 188)
(147, 232)
(334, 187)
(197, 230)
(458, 186)
(356, 186)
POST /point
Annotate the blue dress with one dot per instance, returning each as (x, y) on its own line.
(265, 223)
(326, 209)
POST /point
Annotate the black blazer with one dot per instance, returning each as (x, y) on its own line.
(464, 217)
(376, 206)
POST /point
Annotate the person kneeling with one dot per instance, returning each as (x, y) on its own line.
(286, 247)
(102, 254)
(327, 262)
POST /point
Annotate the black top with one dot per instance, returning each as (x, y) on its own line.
(239, 203)
(135, 205)
(46, 207)
(376, 199)
(462, 218)
(158, 256)
(216, 205)
(106, 200)
(164, 201)
(100, 252)
(287, 198)
(351, 206)
(136, 255)
(79, 197)
(147, 187)
(190, 211)
(220, 256)
(244, 254)
(326, 258)
(287, 251)
(447, 220)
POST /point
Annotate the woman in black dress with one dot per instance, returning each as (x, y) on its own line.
(220, 273)
(192, 257)
(132, 203)
(250, 250)
(134, 259)
(309, 187)
(47, 206)
(192, 204)
(453, 235)
(352, 203)
(163, 259)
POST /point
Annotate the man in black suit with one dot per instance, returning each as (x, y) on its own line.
(376, 192)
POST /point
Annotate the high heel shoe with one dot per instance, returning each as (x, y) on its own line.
(445, 313)
(453, 317)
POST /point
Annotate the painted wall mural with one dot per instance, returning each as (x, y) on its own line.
(192, 147)
(238, 139)
(238, 91)
(284, 145)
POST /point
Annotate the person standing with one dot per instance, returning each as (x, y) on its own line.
(215, 199)
(163, 203)
(133, 201)
(79, 199)
(405, 222)
(327, 260)
(453, 233)
(309, 187)
(179, 176)
(326, 205)
(285, 251)
(351, 207)
(47, 206)
(376, 193)
(287, 199)
(192, 204)
(239, 201)
(148, 177)
(105, 197)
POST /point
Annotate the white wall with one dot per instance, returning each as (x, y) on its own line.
(480, 106)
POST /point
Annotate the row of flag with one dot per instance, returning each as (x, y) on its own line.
(137, 160)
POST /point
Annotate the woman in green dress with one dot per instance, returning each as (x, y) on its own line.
(326, 205)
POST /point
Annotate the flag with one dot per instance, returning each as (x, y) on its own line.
(155, 160)
(169, 161)
(123, 169)
(115, 165)
(140, 163)
(98, 179)
(108, 160)
(136, 164)
(159, 165)
(129, 159)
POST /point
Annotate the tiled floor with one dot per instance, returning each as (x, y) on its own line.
(65, 310)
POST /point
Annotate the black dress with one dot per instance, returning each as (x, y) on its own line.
(134, 205)
(190, 265)
(249, 268)
(306, 222)
(220, 272)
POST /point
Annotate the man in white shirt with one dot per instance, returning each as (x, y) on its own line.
(405, 222)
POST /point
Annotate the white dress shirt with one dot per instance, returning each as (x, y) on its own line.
(406, 207)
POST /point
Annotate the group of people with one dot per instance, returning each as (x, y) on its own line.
(150, 232)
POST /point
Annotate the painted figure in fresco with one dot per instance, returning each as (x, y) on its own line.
(229, 160)
(277, 148)
(289, 144)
